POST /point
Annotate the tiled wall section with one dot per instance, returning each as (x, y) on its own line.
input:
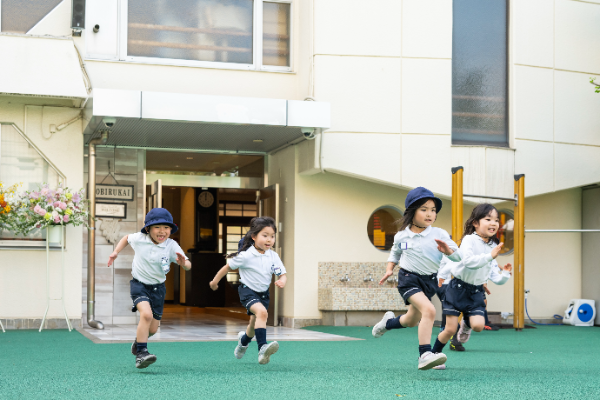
(360, 293)
(113, 304)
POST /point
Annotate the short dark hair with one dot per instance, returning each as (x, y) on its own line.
(479, 212)
(256, 225)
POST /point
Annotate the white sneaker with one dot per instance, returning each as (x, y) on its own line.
(267, 351)
(440, 367)
(379, 328)
(464, 333)
(239, 349)
(429, 360)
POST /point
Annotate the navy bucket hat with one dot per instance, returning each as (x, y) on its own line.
(159, 216)
(421, 193)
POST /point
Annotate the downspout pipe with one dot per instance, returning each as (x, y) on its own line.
(91, 261)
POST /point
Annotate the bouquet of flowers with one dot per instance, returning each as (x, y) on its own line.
(51, 207)
(6, 209)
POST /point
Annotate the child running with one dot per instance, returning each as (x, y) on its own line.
(419, 247)
(257, 264)
(154, 253)
(465, 292)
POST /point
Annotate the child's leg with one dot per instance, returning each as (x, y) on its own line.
(154, 325)
(251, 324)
(449, 330)
(477, 322)
(426, 309)
(146, 320)
(260, 323)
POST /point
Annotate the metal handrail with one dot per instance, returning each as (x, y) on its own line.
(560, 230)
(491, 197)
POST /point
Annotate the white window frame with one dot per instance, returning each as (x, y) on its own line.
(257, 44)
(30, 244)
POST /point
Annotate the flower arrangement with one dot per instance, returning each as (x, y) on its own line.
(5, 207)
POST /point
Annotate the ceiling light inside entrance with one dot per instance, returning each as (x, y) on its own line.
(257, 140)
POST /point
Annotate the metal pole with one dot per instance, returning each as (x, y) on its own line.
(457, 204)
(519, 255)
(91, 275)
(489, 197)
(561, 230)
(62, 270)
(47, 278)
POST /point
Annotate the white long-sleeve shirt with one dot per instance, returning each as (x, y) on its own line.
(418, 252)
(476, 265)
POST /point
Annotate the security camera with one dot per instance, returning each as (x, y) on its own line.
(308, 133)
(109, 122)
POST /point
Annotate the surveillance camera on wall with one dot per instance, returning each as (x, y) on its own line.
(308, 133)
(109, 122)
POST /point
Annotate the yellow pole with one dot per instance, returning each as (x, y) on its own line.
(519, 254)
(457, 204)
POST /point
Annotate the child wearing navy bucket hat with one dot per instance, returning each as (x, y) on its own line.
(257, 264)
(154, 253)
(419, 248)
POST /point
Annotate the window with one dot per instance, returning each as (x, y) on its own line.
(244, 34)
(506, 232)
(479, 73)
(237, 210)
(20, 161)
(18, 16)
(381, 227)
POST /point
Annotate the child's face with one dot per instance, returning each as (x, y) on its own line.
(487, 226)
(265, 239)
(159, 233)
(425, 215)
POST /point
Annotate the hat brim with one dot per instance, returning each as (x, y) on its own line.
(437, 201)
(174, 228)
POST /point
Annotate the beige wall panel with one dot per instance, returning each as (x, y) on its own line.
(576, 166)
(472, 159)
(426, 96)
(576, 32)
(499, 172)
(364, 92)
(533, 32)
(534, 103)
(369, 155)
(163, 78)
(427, 28)
(55, 23)
(576, 105)
(426, 162)
(350, 27)
(589, 247)
(536, 161)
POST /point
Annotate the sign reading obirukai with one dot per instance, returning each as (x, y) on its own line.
(115, 192)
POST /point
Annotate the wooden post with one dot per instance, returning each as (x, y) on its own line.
(457, 204)
(519, 254)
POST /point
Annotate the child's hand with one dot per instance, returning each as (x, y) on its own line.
(213, 285)
(388, 273)
(180, 259)
(279, 283)
(507, 268)
(441, 282)
(496, 250)
(112, 258)
(487, 291)
(444, 248)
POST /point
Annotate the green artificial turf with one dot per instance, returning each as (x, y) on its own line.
(559, 362)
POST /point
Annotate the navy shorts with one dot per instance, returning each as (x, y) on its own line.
(441, 291)
(410, 283)
(462, 297)
(249, 297)
(153, 294)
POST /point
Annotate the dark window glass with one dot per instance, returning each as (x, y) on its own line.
(20, 16)
(479, 72)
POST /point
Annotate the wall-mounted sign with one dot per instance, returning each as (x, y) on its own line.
(111, 210)
(115, 192)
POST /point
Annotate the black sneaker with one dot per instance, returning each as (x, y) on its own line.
(134, 347)
(143, 359)
(456, 345)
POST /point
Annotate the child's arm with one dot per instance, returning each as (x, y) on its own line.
(120, 246)
(185, 264)
(502, 277)
(388, 272)
(280, 283)
(214, 284)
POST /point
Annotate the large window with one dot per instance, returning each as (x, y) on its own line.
(20, 162)
(250, 34)
(382, 226)
(479, 72)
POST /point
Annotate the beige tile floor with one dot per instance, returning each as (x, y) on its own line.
(201, 327)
